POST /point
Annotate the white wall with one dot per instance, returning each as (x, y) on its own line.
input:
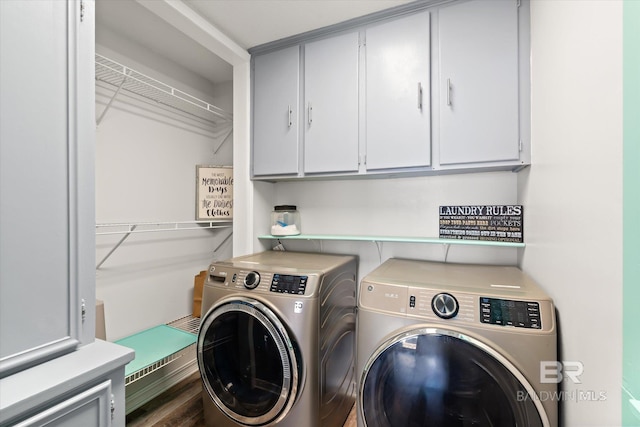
(145, 172)
(573, 192)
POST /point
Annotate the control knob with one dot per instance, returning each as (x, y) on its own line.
(444, 305)
(252, 280)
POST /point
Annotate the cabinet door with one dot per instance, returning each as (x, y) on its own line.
(46, 184)
(275, 112)
(90, 408)
(478, 82)
(331, 102)
(397, 93)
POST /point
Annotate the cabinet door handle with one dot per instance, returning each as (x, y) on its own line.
(290, 115)
(449, 92)
(309, 114)
(419, 96)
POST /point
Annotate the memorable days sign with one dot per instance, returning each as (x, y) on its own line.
(214, 193)
(498, 223)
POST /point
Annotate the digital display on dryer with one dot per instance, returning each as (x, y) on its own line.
(287, 284)
(520, 314)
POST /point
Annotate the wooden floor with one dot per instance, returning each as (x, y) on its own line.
(181, 406)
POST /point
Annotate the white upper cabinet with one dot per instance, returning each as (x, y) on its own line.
(331, 104)
(398, 114)
(426, 90)
(276, 112)
(478, 82)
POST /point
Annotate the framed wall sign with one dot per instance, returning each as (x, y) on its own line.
(498, 223)
(214, 193)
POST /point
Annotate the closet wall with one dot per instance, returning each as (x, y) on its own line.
(146, 157)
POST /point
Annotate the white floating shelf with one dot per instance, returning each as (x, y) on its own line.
(397, 239)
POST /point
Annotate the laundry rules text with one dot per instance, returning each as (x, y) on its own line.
(498, 223)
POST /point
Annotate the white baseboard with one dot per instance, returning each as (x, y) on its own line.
(142, 391)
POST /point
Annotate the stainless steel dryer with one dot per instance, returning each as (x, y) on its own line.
(454, 345)
(277, 340)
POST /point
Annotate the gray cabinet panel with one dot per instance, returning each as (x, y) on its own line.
(398, 95)
(40, 314)
(275, 112)
(331, 104)
(478, 82)
(91, 407)
(64, 387)
(49, 359)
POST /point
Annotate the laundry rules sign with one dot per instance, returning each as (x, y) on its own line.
(214, 193)
(498, 223)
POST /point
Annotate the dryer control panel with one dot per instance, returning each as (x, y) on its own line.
(521, 314)
(289, 284)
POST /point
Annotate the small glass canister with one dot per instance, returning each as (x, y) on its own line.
(285, 220)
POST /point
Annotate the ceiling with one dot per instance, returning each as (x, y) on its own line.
(254, 22)
(248, 23)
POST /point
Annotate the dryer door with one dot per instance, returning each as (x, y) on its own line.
(248, 362)
(434, 377)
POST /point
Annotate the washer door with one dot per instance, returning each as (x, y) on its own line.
(248, 363)
(433, 377)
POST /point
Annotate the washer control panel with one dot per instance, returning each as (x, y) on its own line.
(289, 284)
(521, 314)
(261, 281)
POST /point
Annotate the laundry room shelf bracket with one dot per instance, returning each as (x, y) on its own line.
(121, 241)
(379, 247)
(445, 248)
(115, 95)
(226, 137)
(223, 242)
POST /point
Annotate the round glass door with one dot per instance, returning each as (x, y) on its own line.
(432, 377)
(249, 364)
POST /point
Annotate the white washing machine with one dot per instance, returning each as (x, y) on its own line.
(277, 340)
(454, 345)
